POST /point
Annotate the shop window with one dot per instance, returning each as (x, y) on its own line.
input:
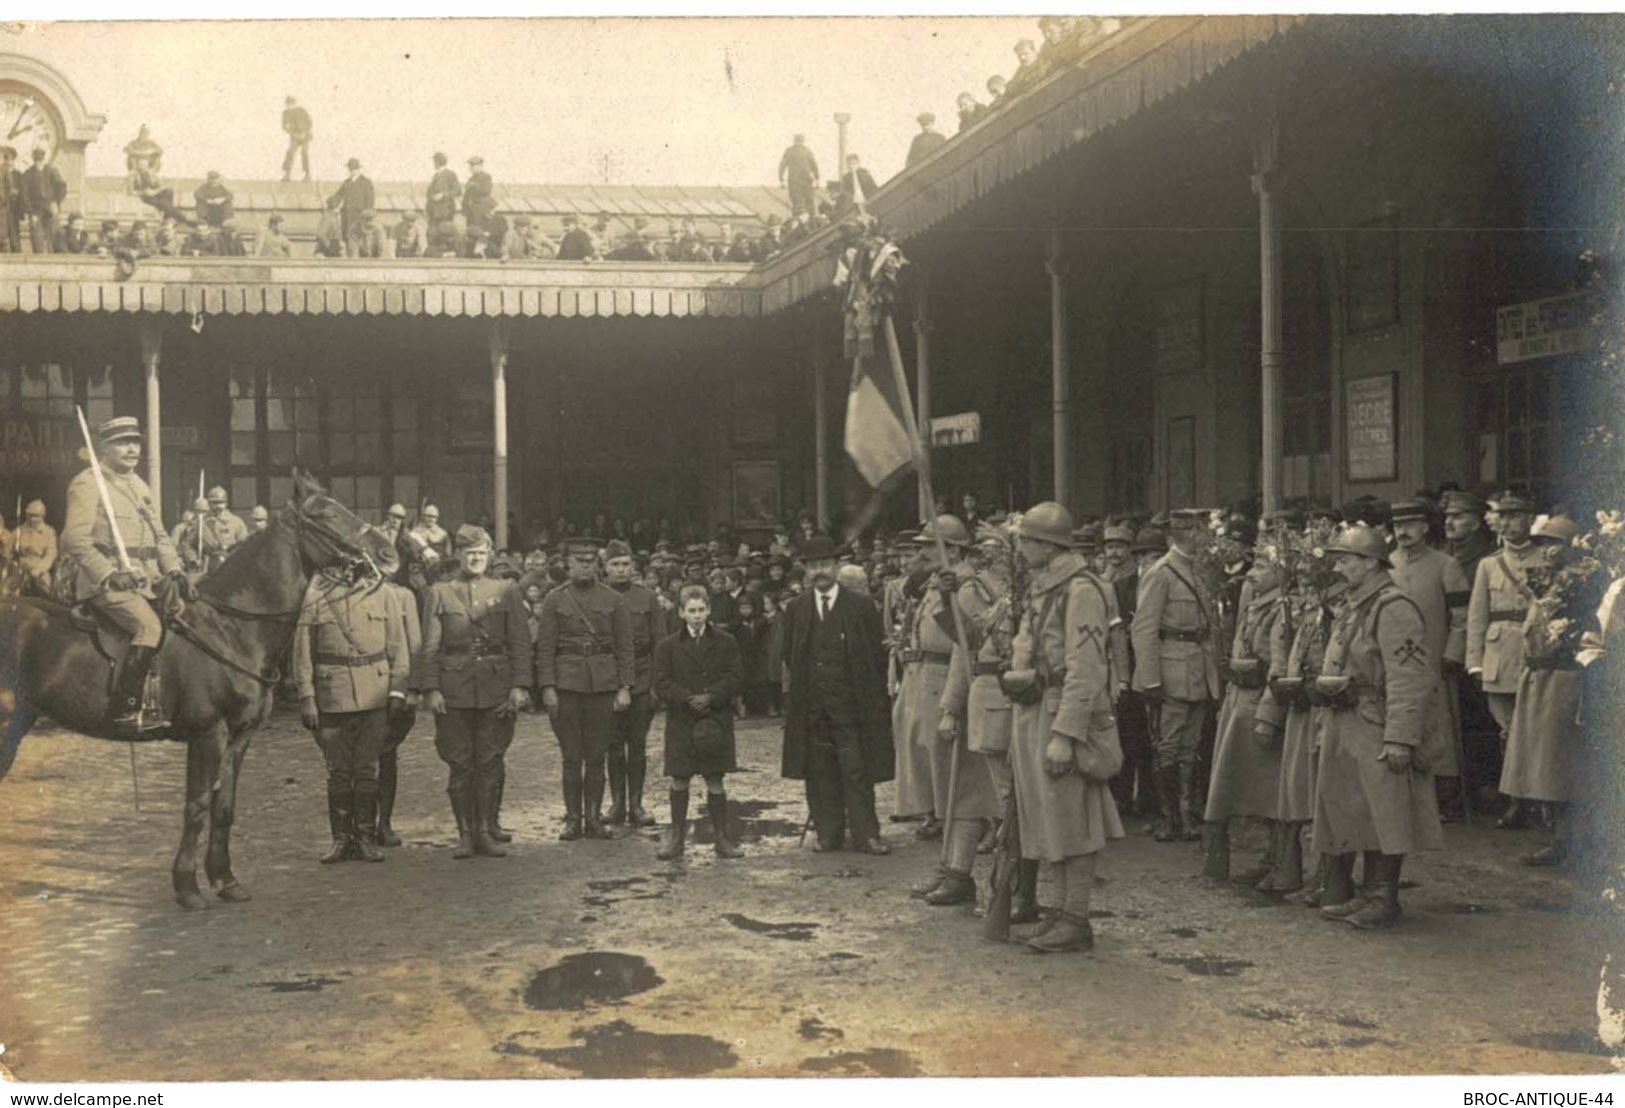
(51, 390)
(1130, 475)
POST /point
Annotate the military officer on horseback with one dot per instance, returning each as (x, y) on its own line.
(123, 595)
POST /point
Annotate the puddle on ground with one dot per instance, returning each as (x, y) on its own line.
(1355, 1022)
(842, 956)
(619, 1050)
(1268, 1015)
(306, 984)
(814, 1028)
(612, 883)
(1184, 932)
(837, 873)
(1464, 908)
(601, 889)
(795, 932)
(582, 980)
(746, 824)
(880, 1061)
(1204, 966)
(1566, 1042)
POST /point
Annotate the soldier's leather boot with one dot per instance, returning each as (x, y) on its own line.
(922, 889)
(1024, 903)
(1072, 930)
(1265, 866)
(1216, 850)
(572, 805)
(1555, 852)
(635, 815)
(1452, 797)
(956, 888)
(1382, 908)
(366, 823)
(592, 802)
(617, 784)
(1339, 891)
(716, 805)
(1287, 876)
(462, 810)
(485, 801)
(1169, 828)
(1190, 810)
(124, 706)
(677, 833)
(930, 829)
(1370, 869)
(339, 823)
(387, 778)
(1069, 933)
(1516, 816)
(1310, 895)
(493, 826)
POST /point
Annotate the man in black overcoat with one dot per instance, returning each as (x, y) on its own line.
(837, 721)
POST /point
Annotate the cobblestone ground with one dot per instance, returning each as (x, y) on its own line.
(595, 959)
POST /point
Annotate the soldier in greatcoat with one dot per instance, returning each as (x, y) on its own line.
(1246, 777)
(34, 548)
(586, 670)
(221, 529)
(124, 596)
(1063, 745)
(1374, 794)
(399, 724)
(1495, 616)
(919, 682)
(628, 743)
(351, 665)
(1434, 580)
(1176, 669)
(474, 673)
(1543, 757)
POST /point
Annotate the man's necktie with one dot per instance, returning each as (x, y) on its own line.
(823, 606)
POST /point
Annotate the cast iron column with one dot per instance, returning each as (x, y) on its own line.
(499, 430)
(922, 379)
(1269, 281)
(1060, 378)
(150, 329)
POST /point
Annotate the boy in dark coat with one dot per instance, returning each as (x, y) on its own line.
(696, 676)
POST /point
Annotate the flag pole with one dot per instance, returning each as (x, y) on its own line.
(922, 464)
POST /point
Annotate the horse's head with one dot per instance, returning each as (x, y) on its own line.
(328, 533)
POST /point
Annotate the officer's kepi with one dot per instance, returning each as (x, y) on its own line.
(470, 537)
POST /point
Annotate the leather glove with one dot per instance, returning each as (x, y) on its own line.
(308, 713)
(435, 701)
(1058, 761)
(183, 585)
(550, 699)
(123, 580)
(623, 699)
(1397, 756)
(1153, 694)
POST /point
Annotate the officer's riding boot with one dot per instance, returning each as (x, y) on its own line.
(958, 886)
(635, 815)
(592, 800)
(1310, 895)
(338, 821)
(487, 787)
(572, 803)
(387, 776)
(1382, 908)
(1190, 809)
(1072, 930)
(124, 709)
(1370, 867)
(1025, 935)
(1024, 904)
(366, 822)
(1287, 876)
(1216, 850)
(716, 806)
(617, 783)
(1252, 875)
(1169, 828)
(930, 829)
(1339, 895)
(462, 809)
(677, 833)
(493, 828)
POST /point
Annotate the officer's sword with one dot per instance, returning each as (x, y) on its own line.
(118, 543)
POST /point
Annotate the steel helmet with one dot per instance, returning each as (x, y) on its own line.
(218, 494)
(1047, 522)
(1361, 539)
(948, 528)
(1558, 529)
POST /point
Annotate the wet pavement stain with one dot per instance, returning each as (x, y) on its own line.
(307, 984)
(1566, 1042)
(1355, 1022)
(836, 873)
(612, 883)
(619, 1050)
(1204, 966)
(1184, 932)
(618, 884)
(1268, 1015)
(795, 932)
(880, 1061)
(1464, 909)
(813, 1028)
(582, 980)
(842, 956)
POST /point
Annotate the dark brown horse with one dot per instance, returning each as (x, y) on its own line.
(216, 668)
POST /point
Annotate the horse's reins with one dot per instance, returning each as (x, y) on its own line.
(191, 634)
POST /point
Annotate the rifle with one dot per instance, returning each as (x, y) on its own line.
(1006, 868)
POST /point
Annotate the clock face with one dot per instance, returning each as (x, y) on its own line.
(27, 123)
